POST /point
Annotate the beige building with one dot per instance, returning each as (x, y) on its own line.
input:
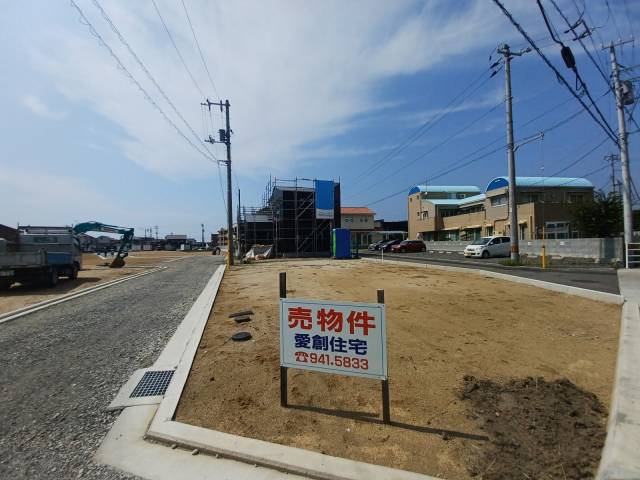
(359, 220)
(464, 213)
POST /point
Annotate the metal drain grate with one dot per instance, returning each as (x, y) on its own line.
(152, 384)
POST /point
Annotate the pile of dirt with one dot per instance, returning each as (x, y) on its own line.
(539, 429)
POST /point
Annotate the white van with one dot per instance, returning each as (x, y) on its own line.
(486, 247)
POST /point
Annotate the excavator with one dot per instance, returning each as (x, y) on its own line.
(125, 241)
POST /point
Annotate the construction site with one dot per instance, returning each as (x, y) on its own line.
(295, 219)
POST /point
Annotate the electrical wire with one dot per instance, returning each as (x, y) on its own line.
(422, 129)
(458, 165)
(559, 76)
(435, 147)
(146, 71)
(175, 46)
(593, 60)
(146, 95)
(195, 38)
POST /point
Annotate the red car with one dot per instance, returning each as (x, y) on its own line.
(409, 246)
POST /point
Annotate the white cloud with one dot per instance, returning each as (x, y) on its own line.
(37, 106)
(295, 72)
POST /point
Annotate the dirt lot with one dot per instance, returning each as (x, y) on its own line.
(93, 272)
(441, 328)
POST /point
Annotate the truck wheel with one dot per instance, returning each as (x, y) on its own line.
(73, 274)
(53, 277)
(5, 284)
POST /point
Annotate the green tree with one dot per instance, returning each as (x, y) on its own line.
(600, 216)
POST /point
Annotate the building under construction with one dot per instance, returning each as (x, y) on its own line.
(296, 218)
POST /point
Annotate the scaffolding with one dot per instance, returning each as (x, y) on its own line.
(287, 220)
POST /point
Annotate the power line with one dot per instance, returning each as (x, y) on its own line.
(213, 85)
(586, 50)
(570, 62)
(459, 165)
(435, 147)
(175, 46)
(559, 76)
(422, 129)
(145, 70)
(146, 95)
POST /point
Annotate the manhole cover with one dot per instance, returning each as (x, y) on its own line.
(242, 319)
(153, 383)
(241, 314)
(241, 337)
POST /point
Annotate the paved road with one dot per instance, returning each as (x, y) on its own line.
(63, 365)
(598, 278)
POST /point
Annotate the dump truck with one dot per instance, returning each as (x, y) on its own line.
(38, 255)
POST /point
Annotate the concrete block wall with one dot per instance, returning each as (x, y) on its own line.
(598, 249)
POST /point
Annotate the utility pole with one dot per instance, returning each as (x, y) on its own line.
(612, 158)
(156, 227)
(507, 55)
(627, 214)
(202, 226)
(225, 137)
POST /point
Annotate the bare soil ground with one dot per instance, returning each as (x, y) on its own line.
(441, 328)
(93, 272)
(540, 429)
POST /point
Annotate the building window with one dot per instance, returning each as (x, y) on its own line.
(556, 230)
(461, 195)
(575, 197)
(425, 215)
(498, 200)
(530, 197)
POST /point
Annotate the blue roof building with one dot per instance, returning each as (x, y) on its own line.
(441, 212)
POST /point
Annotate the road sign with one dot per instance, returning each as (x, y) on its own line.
(343, 338)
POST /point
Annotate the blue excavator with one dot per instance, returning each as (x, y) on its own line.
(125, 241)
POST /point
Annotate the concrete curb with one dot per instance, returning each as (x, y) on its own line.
(20, 312)
(555, 287)
(620, 458)
(256, 452)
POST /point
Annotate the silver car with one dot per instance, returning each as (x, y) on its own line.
(486, 247)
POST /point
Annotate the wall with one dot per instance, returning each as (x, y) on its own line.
(357, 222)
(601, 249)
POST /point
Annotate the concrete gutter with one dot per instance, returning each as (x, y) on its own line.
(621, 454)
(21, 312)
(555, 287)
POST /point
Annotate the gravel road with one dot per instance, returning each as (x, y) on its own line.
(62, 366)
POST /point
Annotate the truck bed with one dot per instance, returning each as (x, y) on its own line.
(13, 260)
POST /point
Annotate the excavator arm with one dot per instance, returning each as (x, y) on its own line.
(125, 241)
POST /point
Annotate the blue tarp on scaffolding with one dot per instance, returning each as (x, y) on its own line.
(324, 199)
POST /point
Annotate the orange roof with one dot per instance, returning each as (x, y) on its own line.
(356, 211)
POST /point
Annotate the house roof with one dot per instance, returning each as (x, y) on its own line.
(444, 189)
(356, 211)
(473, 199)
(542, 182)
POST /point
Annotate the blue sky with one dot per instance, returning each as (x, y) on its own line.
(318, 90)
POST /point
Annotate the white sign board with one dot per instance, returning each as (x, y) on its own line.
(345, 338)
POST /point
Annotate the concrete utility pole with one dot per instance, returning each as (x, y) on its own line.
(225, 137)
(507, 55)
(202, 226)
(156, 227)
(627, 214)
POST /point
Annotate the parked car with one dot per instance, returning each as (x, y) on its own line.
(486, 247)
(386, 246)
(376, 245)
(409, 246)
